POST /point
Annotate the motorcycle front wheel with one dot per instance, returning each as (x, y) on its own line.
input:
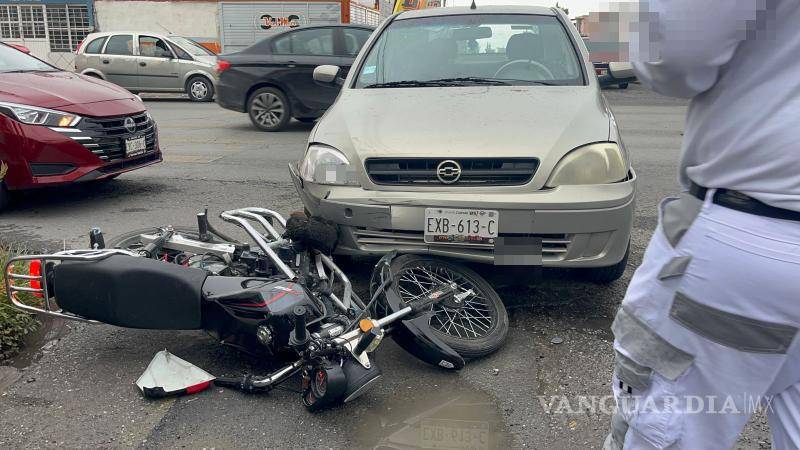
(475, 326)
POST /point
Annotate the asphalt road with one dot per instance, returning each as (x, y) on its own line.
(78, 390)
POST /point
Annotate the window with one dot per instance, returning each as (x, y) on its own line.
(32, 21)
(9, 22)
(518, 49)
(120, 44)
(96, 45)
(354, 39)
(12, 59)
(191, 46)
(305, 42)
(179, 52)
(67, 26)
(153, 47)
(283, 44)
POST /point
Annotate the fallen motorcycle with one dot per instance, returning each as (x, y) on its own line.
(283, 297)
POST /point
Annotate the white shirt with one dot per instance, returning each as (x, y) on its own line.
(739, 62)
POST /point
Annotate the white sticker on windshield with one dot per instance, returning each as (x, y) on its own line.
(368, 70)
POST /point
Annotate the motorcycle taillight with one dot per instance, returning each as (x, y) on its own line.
(35, 270)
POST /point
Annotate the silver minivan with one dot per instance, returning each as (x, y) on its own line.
(474, 133)
(149, 62)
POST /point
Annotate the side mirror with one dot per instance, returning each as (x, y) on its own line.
(621, 70)
(327, 74)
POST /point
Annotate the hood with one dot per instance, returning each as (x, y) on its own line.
(57, 89)
(510, 121)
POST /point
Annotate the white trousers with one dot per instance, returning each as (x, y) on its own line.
(707, 332)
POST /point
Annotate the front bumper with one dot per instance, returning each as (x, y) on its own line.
(38, 156)
(580, 226)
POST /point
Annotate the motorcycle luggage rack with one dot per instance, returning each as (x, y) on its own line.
(15, 280)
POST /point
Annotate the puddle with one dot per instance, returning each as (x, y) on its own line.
(449, 419)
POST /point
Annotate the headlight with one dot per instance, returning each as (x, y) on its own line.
(33, 115)
(326, 165)
(599, 163)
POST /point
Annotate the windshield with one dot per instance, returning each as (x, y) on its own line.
(500, 49)
(13, 60)
(192, 47)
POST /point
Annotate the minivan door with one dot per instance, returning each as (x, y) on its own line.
(118, 62)
(158, 66)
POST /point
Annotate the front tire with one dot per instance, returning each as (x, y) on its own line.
(200, 89)
(623, 85)
(474, 327)
(269, 109)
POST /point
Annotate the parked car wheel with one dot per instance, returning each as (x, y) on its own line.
(623, 85)
(606, 275)
(200, 89)
(269, 110)
(475, 326)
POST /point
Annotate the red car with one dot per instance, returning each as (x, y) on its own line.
(58, 127)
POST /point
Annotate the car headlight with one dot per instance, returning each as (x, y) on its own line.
(326, 165)
(33, 115)
(599, 163)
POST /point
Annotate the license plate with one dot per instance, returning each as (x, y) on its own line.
(454, 434)
(463, 226)
(135, 146)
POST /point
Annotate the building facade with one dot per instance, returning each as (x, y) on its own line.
(53, 29)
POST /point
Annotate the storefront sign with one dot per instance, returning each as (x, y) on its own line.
(405, 5)
(267, 21)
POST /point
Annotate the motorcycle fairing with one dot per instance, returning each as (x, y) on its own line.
(131, 292)
(169, 375)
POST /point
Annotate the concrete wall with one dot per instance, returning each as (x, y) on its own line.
(197, 20)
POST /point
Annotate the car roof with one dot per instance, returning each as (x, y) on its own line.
(461, 10)
(150, 33)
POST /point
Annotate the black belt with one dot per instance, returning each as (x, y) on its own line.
(741, 202)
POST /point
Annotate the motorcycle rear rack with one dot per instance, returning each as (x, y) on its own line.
(15, 281)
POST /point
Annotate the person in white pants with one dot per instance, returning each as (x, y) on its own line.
(708, 330)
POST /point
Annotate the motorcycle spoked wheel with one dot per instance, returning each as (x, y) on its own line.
(475, 327)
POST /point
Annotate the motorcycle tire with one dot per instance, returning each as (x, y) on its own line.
(475, 328)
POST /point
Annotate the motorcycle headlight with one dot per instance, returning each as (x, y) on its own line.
(33, 115)
(599, 163)
(326, 165)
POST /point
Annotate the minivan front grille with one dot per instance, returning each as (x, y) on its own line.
(554, 246)
(105, 137)
(441, 171)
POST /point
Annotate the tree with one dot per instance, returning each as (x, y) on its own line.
(566, 10)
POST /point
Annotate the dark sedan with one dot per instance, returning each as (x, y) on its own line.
(272, 80)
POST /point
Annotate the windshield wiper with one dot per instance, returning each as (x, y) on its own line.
(475, 80)
(407, 83)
